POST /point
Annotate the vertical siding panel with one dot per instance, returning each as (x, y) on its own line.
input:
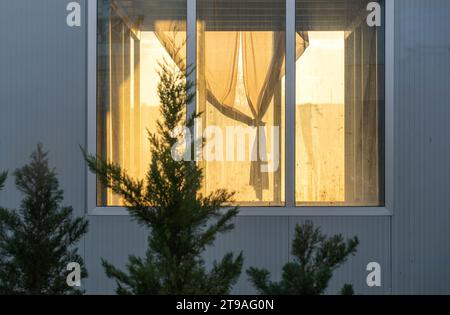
(112, 238)
(42, 94)
(421, 256)
(264, 242)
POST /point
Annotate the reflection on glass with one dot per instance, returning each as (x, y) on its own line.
(240, 88)
(132, 39)
(339, 101)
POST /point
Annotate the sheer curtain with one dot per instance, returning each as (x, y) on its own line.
(235, 61)
(263, 69)
(240, 78)
(118, 115)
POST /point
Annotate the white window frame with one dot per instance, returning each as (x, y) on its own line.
(290, 209)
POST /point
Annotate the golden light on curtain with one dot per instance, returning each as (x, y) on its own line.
(240, 74)
(221, 67)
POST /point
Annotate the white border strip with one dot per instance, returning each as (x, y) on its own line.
(91, 99)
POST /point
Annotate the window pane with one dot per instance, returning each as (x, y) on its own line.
(240, 91)
(339, 106)
(133, 36)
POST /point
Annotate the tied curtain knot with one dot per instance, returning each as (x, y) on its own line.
(221, 55)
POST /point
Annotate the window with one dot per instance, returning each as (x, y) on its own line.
(133, 36)
(339, 106)
(240, 84)
(241, 89)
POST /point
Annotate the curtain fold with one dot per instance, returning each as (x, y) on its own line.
(221, 82)
(221, 67)
(301, 43)
(263, 69)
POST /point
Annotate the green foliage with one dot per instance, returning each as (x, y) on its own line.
(316, 257)
(3, 177)
(181, 221)
(39, 240)
(347, 289)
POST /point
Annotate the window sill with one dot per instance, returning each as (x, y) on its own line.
(276, 211)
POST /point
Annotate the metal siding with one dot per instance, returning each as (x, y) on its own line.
(42, 94)
(421, 260)
(112, 238)
(264, 242)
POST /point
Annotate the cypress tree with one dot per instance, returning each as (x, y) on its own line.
(39, 240)
(316, 256)
(181, 221)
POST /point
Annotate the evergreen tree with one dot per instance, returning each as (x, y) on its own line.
(39, 240)
(316, 257)
(181, 221)
(3, 179)
(347, 289)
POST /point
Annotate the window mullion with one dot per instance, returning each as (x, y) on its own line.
(191, 28)
(290, 103)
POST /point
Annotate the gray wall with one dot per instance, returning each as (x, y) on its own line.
(43, 98)
(420, 226)
(42, 93)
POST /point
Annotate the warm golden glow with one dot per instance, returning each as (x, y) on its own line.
(235, 175)
(134, 102)
(320, 70)
(152, 52)
(240, 83)
(320, 164)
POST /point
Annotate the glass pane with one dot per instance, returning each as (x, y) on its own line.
(339, 106)
(240, 91)
(133, 36)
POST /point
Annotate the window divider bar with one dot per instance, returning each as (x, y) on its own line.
(290, 105)
(191, 43)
